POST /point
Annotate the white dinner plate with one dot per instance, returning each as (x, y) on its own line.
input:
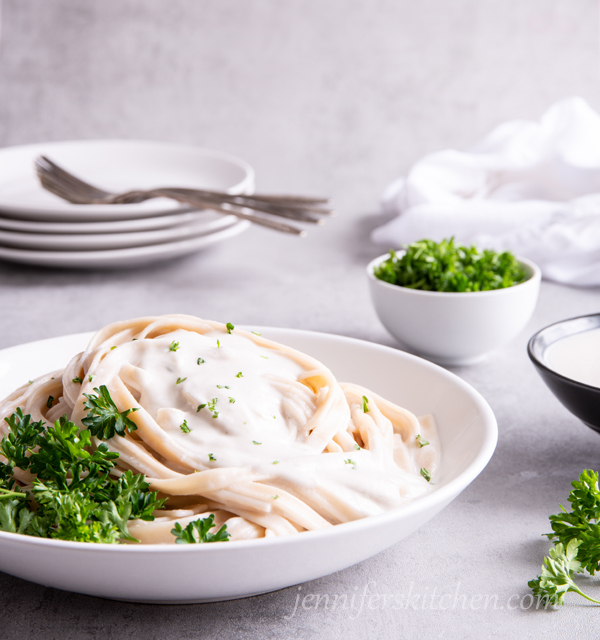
(115, 165)
(221, 571)
(102, 241)
(109, 226)
(119, 258)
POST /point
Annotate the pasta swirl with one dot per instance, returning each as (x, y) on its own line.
(230, 423)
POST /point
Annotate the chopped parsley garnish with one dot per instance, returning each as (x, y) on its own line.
(113, 348)
(90, 378)
(275, 497)
(174, 346)
(256, 333)
(231, 400)
(77, 380)
(199, 532)
(350, 461)
(50, 401)
(265, 357)
(180, 380)
(275, 461)
(365, 404)
(200, 406)
(211, 457)
(200, 361)
(222, 386)
(254, 442)
(426, 474)
(239, 375)
(356, 447)
(230, 327)
(421, 440)
(104, 418)
(31, 382)
(442, 266)
(72, 496)
(218, 345)
(212, 408)
(184, 427)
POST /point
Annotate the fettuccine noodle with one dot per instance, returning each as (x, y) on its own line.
(232, 424)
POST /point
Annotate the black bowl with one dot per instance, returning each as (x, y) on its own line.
(582, 400)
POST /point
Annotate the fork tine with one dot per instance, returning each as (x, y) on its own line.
(46, 166)
(59, 191)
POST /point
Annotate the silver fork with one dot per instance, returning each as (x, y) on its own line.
(302, 209)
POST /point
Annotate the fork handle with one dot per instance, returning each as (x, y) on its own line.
(265, 222)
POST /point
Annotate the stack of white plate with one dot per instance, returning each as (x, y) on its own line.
(37, 227)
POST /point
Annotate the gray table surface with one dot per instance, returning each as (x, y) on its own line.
(481, 550)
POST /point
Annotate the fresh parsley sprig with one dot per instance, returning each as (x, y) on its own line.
(199, 532)
(72, 496)
(104, 418)
(556, 578)
(576, 536)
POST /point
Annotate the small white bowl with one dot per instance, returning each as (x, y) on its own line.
(454, 328)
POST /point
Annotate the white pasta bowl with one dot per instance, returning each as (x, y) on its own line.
(177, 573)
(454, 328)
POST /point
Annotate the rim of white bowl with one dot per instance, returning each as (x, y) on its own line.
(536, 276)
(444, 494)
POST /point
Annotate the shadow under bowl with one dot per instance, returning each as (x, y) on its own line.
(581, 399)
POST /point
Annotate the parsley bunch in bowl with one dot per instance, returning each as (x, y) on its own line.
(443, 266)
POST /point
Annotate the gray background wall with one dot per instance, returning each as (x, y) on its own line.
(324, 96)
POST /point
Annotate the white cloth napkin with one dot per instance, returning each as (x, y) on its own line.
(530, 187)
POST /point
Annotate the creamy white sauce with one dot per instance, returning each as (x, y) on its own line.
(264, 427)
(577, 357)
(264, 405)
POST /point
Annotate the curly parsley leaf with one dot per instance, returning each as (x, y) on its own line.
(23, 437)
(556, 578)
(75, 499)
(582, 522)
(104, 418)
(576, 535)
(199, 532)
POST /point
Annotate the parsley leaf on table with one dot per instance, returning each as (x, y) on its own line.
(556, 578)
(576, 534)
